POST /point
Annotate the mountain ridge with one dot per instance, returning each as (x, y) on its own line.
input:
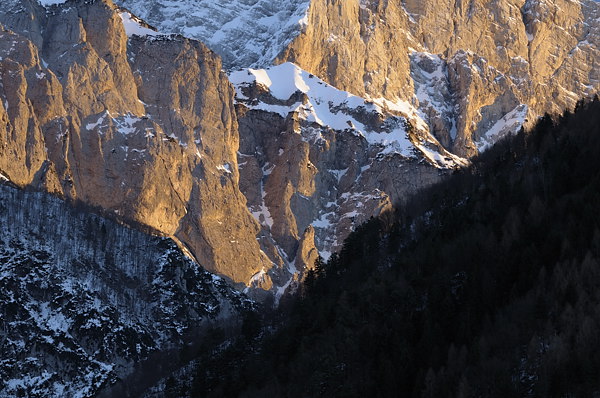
(342, 43)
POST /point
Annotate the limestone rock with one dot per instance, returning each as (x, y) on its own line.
(141, 127)
(316, 162)
(495, 58)
(384, 99)
(468, 68)
(307, 253)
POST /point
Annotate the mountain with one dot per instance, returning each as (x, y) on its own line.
(484, 285)
(458, 75)
(257, 178)
(255, 155)
(100, 108)
(85, 301)
(494, 57)
(244, 33)
(315, 160)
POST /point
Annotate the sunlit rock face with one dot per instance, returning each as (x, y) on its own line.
(141, 126)
(461, 75)
(469, 67)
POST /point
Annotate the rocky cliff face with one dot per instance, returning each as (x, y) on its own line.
(141, 126)
(472, 70)
(382, 98)
(315, 161)
(466, 66)
(84, 299)
(460, 74)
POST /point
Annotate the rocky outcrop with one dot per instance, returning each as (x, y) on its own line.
(458, 75)
(141, 126)
(315, 162)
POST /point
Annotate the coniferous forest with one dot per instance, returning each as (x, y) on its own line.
(486, 285)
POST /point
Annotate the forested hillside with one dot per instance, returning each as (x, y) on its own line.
(485, 285)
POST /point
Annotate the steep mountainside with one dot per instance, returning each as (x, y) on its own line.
(142, 126)
(485, 59)
(323, 115)
(317, 160)
(84, 299)
(455, 76)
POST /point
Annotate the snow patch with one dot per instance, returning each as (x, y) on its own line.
(47, 3)
(327, 106)
(339, 174)
(282, 81)
(133, 26)
(125, 123)
(510, 123)
(261, 212)
(226, 168)
(99, 122)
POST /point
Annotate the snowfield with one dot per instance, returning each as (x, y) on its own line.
(243, 32)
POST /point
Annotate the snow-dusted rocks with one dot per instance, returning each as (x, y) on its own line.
(315, 161)
(84, 299)
(142, 125)
(371, 101)
(541, 54)
(492, 57)
(316, 102)
(135, 26)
